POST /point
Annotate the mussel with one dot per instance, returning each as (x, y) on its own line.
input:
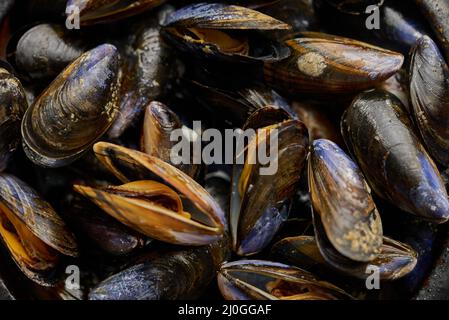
(100, 11)
(379, 134)
(394, 261)
(13, 105)
(221, 32)
(429, 92)
(158, 127)
(436, 12)
(342, 203)
(147, 69)
(326, 64)
(32, 231)
(157, 209)
(75, 110)
(261, 202)
(43, 51)
(152, 276)
(4, 8)
(265, 280)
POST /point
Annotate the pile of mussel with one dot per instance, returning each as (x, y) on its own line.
(94, 206)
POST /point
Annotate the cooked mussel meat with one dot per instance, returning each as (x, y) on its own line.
(221, 32)
(175, 209)
(265, 280)
(32, 231)
(75, 110)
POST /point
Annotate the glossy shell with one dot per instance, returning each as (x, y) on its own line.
(74, 111)
(260, 201)
(380, 136)
(342, 201)
(429, 91)
(13, 105)
(325, 64)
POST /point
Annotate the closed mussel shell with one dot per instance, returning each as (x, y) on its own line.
(221, 32)
(74, 111)
(354, 6)
(326, 64)
(100, 11)
(380, 136)
(429, 91)
(32, 231)
(13, 105)
(342, 201)
(261, 198)
(436, 12)
(43, 51)
(265, 280)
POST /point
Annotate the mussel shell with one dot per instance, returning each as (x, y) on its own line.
(395, 260)
(380, 136)
(265, 280)
(13, 105)
(43, 51)
(126, 164)
(39, 218)
(264, 204)
(436, 12)
(429, 91)
(146, 72)
(259, 47)
(222, 16)
(326, 64)
(341, 199)
(5, 6)
(100, 11)
(159, 124)
(153, 278)
(74, 111)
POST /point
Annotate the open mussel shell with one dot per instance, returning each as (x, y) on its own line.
(261, 198)
(394, 261)
(153, 208)
(265, 280)
(222, 16)
(436, 12)
(159, 124)
(100, 11)
(32, 231)
(220, 32)
(326, 64)
(74, 111)
(13, 105)
(43, 51)
(379, 134)
(429, 91)
(341, 200)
